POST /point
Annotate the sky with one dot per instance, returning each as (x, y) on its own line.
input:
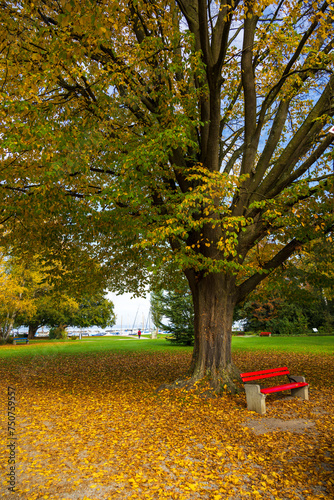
(130, 312)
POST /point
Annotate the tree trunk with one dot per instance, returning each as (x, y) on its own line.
(8, 325)
(32, 331)
(214, 299)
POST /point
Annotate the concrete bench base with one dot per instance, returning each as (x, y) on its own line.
(256, 400)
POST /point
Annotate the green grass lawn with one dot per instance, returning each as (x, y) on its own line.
(96, 345)
(311, 345)
(88, 345)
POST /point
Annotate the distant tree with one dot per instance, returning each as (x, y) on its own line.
(50, 309)
(56, 310)
(286, 318)
(18, 284)
(36, 294)
(93, 310)
(177, 308)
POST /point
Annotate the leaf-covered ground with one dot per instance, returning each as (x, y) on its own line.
(94, 427)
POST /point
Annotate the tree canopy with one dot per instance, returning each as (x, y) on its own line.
(174, 135)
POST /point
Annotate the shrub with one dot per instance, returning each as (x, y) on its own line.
(324, 330)
(9, 340)
(57, 333)
(52, 333)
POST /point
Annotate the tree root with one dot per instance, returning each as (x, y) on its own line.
(226, 381)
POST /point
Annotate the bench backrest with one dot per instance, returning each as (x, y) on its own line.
(273, 372)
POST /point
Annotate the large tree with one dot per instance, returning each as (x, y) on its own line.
(174, 134)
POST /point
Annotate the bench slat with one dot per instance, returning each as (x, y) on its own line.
(258, 377)
(285, 387)
(268, 370)
(274, 372)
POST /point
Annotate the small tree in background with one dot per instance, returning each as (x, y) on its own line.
(177, 308)
(94, 310)
(60, 311)
(18, 285)
(33, 295)
(51, 309)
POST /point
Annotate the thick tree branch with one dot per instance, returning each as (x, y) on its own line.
(300, 143)
(316, 154)
(221, 32)
(251, 283)
(248, 84)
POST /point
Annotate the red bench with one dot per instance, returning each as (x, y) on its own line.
(256, 395)
(265, 334)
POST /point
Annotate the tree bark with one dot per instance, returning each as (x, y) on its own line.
(214, 299)
(32, 331)
(8, 325)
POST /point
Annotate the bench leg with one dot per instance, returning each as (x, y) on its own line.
(300, 392)
(256, 401)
